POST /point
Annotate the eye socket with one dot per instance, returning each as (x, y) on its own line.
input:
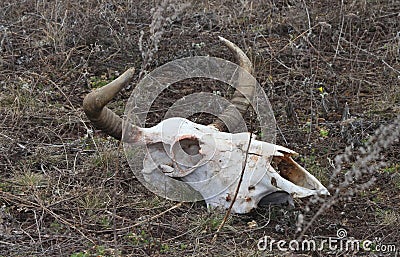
(190, 146)
(185, 153)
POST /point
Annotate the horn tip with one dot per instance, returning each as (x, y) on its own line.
(225, 41)
(222, 38)
(130, 71)
(240, 56)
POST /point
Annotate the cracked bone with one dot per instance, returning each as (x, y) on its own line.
(189, 161)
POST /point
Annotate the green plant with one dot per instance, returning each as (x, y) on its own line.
(211, 222)
(4, 186)
(214, 223)
(104, 158)
(80, 254)
(323, 132)
(105, 222)
(393, 168)
(164, 248)
(29, 179)
(312, 164)
(55, 226)
(99, 251)
(139, 239)
(97, 82)
(387, 217)
(396, 180)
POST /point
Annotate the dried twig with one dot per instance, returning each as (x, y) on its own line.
(40, 205)
(228, 212)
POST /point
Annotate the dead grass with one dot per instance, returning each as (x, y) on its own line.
(66, 190)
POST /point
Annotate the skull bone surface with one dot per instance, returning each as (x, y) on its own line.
(211, 163)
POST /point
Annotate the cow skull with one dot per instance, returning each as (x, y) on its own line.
(211, 162)
(186, 161)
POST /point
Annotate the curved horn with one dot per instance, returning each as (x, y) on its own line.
(243, 92)
(94, 105)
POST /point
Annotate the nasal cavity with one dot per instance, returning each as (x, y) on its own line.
(290, 171)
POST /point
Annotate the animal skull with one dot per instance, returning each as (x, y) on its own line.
(210, 162)
(185, 161)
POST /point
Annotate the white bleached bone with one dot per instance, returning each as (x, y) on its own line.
(211, 162)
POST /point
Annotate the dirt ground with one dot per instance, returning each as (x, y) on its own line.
(331, 70)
